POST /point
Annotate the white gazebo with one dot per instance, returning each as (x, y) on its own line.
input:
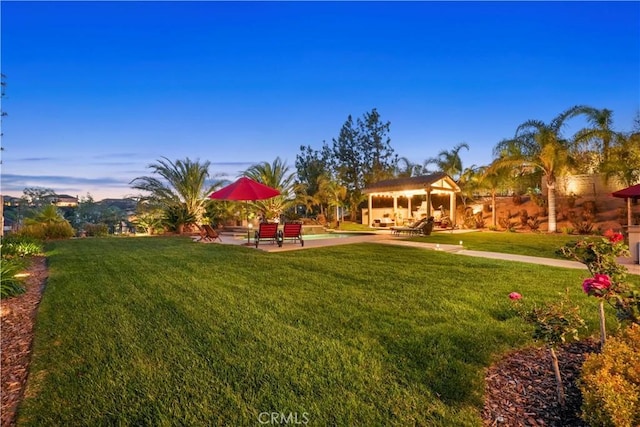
(425, 186)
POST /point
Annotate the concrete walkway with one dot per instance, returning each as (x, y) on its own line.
(385, 237)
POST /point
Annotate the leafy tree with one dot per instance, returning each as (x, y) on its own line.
(373, 140)
(361, 154)
(181, 186)
(37, 196)
(541, 146)
(275, 175)
(310, 165)
(149, 217)
(449, 161)
(348, 161)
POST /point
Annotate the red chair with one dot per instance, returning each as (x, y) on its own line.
(267, 231)
(292, 231)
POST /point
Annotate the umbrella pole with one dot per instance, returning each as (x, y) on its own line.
(248, 225)
(628, 213)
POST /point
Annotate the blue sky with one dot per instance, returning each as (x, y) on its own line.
(96, 91)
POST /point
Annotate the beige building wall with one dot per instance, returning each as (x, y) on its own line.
(585, 185)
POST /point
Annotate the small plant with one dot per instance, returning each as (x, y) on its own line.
(534, 223)
(610, 382)
(504, 222)
(553, 323)
(524, 217)
(566, 230)
(10, 285)
(20, 246)
(584, 226)
(96, 230)
(516, 199)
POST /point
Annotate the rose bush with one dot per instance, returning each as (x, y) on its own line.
(609, 277)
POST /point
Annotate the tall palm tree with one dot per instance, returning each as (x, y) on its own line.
(449, 161)
(275, 175)
(540, 145)
(180, 188)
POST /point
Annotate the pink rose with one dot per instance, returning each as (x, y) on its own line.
(515, 296)
(596, 285)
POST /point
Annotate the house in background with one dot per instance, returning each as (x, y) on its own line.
(64, 201)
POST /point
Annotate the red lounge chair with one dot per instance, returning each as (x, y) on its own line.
(208, 234)
(292, 231)
(267, 231)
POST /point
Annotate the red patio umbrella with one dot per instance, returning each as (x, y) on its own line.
(628, 193)
(245, 189)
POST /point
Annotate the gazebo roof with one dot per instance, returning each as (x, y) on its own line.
(440, 181)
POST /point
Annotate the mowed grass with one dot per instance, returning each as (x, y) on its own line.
(533, 244)
(163, 331)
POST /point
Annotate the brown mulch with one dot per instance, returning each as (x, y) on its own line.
(520, 388)
(17, 316)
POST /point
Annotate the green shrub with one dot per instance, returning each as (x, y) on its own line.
(20, 246)
(610, 382)
(44, 231)
(9, 284)
(96, 230)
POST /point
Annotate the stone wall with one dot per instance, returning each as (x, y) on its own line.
(585, 186)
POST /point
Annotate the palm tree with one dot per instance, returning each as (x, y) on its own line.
(491, 178)
(449, 161)
(404, 168)
(624, 160)
(600, 133)
(48, 215)
(540, 145)
(332, 192)
(469, 182)
(181, 189)
(275, 175)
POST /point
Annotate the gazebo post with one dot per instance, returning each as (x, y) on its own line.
(428, 201)
(453, 208)
(395, 208)
(370, 206)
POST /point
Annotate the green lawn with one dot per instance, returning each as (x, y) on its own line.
(162, 331)
(533, 244)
